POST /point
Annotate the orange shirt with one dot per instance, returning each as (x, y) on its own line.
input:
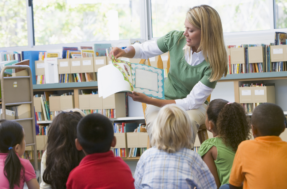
(260, 163)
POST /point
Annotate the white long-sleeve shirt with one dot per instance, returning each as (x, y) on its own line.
(198, 94)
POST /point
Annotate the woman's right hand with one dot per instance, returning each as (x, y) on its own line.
(117, 52)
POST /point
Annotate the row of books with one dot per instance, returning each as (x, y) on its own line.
(43, 130)
(44, 114)
(8, 56)
(77, 77)
(29, 154)
(249, 107)
(110, 113)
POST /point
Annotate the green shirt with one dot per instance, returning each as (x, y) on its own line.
(182, 77)
(224, 160)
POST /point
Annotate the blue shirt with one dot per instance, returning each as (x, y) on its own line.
(183, 169)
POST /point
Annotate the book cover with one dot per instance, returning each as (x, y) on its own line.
(122, 76)
(64, 54)
(100, 49)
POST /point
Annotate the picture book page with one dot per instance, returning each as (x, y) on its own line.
(148, 80)
(111, 81)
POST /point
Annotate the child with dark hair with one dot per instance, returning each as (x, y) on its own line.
(229, 126)
(14, 171)
(61, 156)
(100, 168)
(262, 162)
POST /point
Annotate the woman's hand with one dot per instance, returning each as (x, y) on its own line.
(139, 97)
(117, 52)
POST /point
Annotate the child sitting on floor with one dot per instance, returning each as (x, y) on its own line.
(171, 163)
(228, 124)
(262, 162)
(14, 171)
(100, 168)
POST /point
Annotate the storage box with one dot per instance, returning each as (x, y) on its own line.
(137, 140)
(59, 103)
(24, 111)
(90, 102)
(117, 102)
(41, 142)
(237, 55)
(278, 53)
(257, 94)
(40, 67)
(99, 61)
(255, 54)
(283, 135)
(37, 104)
(121, 140)
(87, 65)
(64, 66)
(76, 65)
(10, 115)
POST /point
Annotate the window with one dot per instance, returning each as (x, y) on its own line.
(13, 23)
(280, 14)
(70, 21)
(236, 15)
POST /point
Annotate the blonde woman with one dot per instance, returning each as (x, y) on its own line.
(171, 163)
(198, 59)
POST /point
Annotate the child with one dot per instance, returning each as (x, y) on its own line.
(14, 171)
(171, 163)
(262, 162)
(100, 168)
(61, 156)
(229, 126)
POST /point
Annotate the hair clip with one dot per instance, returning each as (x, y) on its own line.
(10, 148)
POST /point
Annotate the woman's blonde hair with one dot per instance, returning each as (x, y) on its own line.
(212, 45)
(172, 129)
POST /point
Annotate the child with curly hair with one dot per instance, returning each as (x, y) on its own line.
(229, 126)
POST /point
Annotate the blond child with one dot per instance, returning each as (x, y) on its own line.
(171, 163)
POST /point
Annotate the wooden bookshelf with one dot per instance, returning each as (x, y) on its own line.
(255, 76)
(65, 86)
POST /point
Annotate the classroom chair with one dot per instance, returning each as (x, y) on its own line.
(202, 132)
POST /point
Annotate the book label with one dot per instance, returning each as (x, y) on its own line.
(245, 92)
(277, 51)
(76, 63)
(259, 92)
(87, 62)
(64, 64)
(100, 62)
(40, 65)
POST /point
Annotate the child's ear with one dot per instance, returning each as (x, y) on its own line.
(114, 142)
(78, 145)
(210, 126)
(17, 148)
(254, 131)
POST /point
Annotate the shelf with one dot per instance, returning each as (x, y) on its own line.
(127, 119)
(130, 158)
(116, 119)
(64, 86)
(17, 103)
(250, 114)
(255, 76)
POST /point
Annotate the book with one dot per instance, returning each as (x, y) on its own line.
(65, 49)
(32, 56)
(100, 49)
(122, 76)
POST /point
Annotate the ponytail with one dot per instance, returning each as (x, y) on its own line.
(230, 122)
(232, 125)
(11, 134)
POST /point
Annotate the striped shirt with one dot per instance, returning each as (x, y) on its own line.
(183, 169)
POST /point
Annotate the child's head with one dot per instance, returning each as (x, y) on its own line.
(95, 134)
(62, 155)
(227, 120)
(12, 141)
(267, 120)
(172, 129)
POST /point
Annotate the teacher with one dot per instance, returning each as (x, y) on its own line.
(198, 59)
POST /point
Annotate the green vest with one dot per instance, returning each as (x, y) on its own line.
(181, 77)
(224, 160)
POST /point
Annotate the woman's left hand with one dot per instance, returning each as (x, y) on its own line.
(139, 97)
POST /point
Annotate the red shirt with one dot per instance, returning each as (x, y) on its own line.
(101, 170)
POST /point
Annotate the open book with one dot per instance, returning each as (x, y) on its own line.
(122, 76)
